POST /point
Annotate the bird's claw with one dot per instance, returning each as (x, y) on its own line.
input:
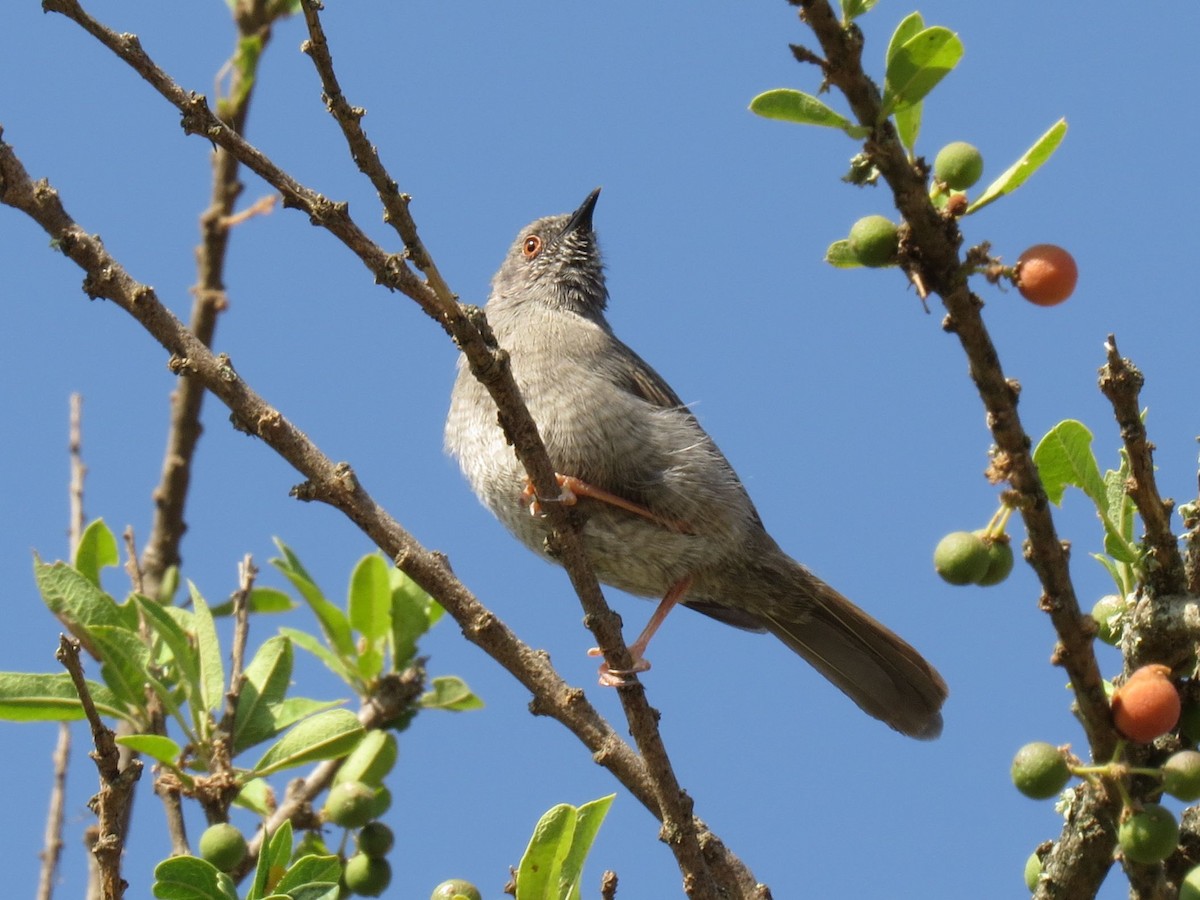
(530, 498)
(619, 677)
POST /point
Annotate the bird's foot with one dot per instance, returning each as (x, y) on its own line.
(573, 488)
(610, 677)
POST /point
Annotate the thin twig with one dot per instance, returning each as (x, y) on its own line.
(78, 473)
(112, 803)
(1121, 383)
(52, 843)
(366, 157)
(132, 568)
(241, 630)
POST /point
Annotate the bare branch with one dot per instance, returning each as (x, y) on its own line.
(52, 844)
(1121, 383)
(241, 630)
(78, 472)
(337, 486)
(112, 803)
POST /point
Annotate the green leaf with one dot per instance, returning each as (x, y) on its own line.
(450, 692)
(1118, 539)
(908, 119)
(33, 697)
(552, 866)
(917, 66)
(540, 867)
(97, 549)
(161, 748)
(910, 26)
(267, 678)
(78, 602)
(589, 817)
(312, 873)
(125, 662)
(413, 613)
(191, 878)
(908, 125)
(292, 709)
(788, 105)
(261, 600)
(841, 256)
(164, 622)
(1018, 173)
(370, 601)
(371, 760)
(276, 852)
(257, 796)
(1064, 458)
(208, 650)
(327, 735)
(852, 9)
(332, 620)
(306, 641)
(1112, 569)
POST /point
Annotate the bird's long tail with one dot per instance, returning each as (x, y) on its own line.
(872, 665)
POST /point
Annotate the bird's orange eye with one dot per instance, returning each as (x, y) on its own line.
(532, 246)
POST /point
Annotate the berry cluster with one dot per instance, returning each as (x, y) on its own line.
(1145, 707)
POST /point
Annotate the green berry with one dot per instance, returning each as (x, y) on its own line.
(1033, 870)
(310, 844)
(1039, 770)
(873, 241)
(350, 804)
(366, 876)
(223, 846)
(1149, 836)
(456, 889)
(1107, 612)
(961, 558)
(958, 165)
(1181, 775)
(382, 802)
(1189, 888)
(1000, 559)
(375, 839)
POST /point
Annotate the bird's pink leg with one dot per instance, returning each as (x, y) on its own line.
(573, 488)
(617, 677)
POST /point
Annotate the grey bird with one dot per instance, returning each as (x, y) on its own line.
(664, 514)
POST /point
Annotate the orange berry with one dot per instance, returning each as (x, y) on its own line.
(1046, 274)
(1147, 705)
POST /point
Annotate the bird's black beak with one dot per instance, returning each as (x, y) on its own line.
(581, 219)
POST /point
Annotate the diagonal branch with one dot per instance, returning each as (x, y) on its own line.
(337, 485)
(487, 363)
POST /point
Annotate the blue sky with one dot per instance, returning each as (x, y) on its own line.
(843, 405)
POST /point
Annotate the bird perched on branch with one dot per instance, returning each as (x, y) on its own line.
(664, 514)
